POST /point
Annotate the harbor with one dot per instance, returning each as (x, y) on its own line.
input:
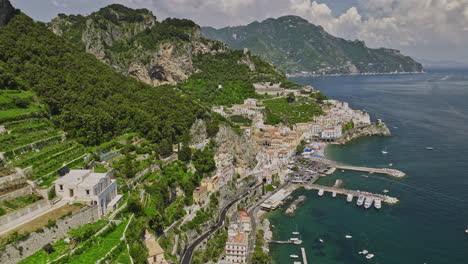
(335, 165)
(354, 193)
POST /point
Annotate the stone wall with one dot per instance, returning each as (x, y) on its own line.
(31, 211)
(35, 241)
(20, 192)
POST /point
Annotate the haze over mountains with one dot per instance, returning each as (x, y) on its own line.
(297, 46)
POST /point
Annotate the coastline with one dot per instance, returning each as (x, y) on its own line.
(294, 75)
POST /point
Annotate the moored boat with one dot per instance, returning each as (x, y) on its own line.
(369, 256)
(349, 198)
(368, 202)
(348, 236)
(378, 203)
(320, 192)
(334, 194)
(293, 256)
(360, 200)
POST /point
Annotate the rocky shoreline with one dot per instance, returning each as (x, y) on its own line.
(376, 129)
(292, 208)
(348, 74)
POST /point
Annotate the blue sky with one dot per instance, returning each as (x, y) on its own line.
(426, 29)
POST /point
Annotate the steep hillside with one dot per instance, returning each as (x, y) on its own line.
(6, 11)
(169, 52)
(134, 42)
(85, 97)
(297, 46)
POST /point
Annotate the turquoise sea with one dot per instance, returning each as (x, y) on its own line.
(428, 225)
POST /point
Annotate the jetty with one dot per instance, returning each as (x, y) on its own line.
(386, 171)
(304, 257)
(384, 198)
(294, 205)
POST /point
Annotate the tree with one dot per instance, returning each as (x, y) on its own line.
(134, 205)
(185, 153)
(291, 98)
(165, 147)
(212, 128)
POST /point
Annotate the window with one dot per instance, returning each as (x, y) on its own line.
(61, 187)
(87, 192)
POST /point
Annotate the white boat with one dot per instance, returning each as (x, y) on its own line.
(360, 200)
(295, 233)
(294, 239)
(369, 256)
(368, 202)
(466, 231)
(378, 203)
(334, 194)
(294, 256)
(348, 236)
(297, 262)
(321, 240)
(390, 164)
(297, 242)
(320, 192)
(385, 191)
(429, 148)
(384, 151)
(365, 252)
(349, 198)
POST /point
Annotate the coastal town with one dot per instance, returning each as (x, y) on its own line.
(283, 158)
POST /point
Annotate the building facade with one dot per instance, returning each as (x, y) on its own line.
(91, 188)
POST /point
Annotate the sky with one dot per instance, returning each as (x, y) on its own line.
(429, 30)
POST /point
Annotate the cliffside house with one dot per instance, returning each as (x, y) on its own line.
(237, 248)
(86, 186)
(155, 251)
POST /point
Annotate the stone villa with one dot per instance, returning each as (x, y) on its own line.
(86, 186)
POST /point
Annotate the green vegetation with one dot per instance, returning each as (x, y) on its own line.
(19, 202)
(348, 126)
(236, 78)
(240, 120)
(42, 256)
(313, 50)
(301, 110)
(213, 250)
(88, 99)
(260, 257)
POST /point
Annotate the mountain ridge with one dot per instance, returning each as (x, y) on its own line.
(314, 51)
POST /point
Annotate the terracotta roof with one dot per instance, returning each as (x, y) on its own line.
(240, 238)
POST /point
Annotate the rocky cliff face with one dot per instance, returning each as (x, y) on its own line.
(239, 147)
(376, 129)
(135, 43)
(6, 11)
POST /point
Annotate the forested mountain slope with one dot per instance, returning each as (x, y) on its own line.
(296, 46)
(87, 98)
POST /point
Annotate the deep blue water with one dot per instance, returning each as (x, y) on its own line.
(428, 224)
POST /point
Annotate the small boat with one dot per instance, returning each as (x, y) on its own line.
(368, 202)
(295, 233)
(366, 176)
(348, 236)
(369, 256)
(378, 203)
(466, 231)
(334, 194)
(294, 239)
(429, 148)
(390, 164)
(365, 252)
(342, 170)
(384, 151)
(294, 256)
(297, 262)
(321, 240)
(349, 198)
(385, 191)
(320, 192)
(360, 200)
(297, 242)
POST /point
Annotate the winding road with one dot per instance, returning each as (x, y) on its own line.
(187, 256)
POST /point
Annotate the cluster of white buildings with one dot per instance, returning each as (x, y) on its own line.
(329, 125)
(237, 245)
